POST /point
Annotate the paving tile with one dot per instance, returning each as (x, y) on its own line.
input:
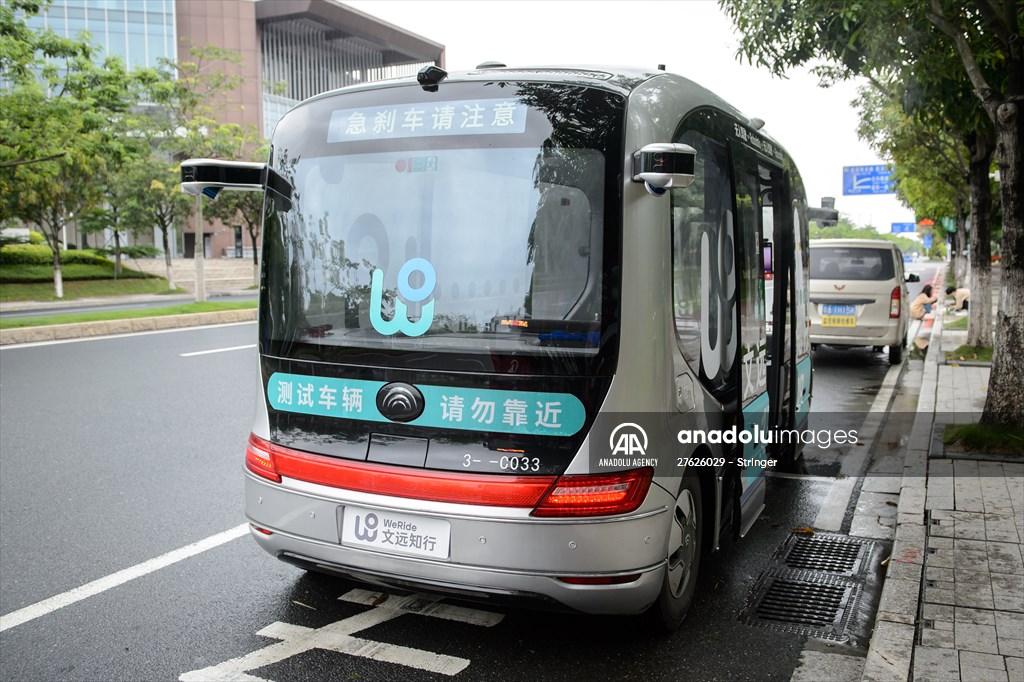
(970, 545)
(937, 573)
(971, 659)
(1008, 592)
(936, 596)
(1015, 668)
(940, 542)
(934, 663)
(900, 597)
(1004, 551)
(942, 639)
(969, 576)
(982, 675)
(943, 558)
(980, 638)
(892, 645)
(1011, 647)
(900, 570)
(1008, 625)
(974, 616)
(974, 595)
(938, 612)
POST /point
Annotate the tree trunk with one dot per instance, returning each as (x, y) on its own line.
(117, 253)
(1003, 404)
(58, 277)
(167, 257)
(254, 234)
(979, 326)
(959, 258)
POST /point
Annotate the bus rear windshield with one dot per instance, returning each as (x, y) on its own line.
(427, 227)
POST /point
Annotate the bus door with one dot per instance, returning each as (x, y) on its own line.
(778, 265)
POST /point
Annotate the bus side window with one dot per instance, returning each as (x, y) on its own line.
(704, 269)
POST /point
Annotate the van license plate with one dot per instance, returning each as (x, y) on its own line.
(837, 309)
(397, 533)
(838, 321)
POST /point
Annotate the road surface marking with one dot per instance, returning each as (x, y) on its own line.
(114, 579)
(36, 344)
(338, 636)
(217, 350)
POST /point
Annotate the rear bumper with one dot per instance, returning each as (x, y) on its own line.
(495, 552)
(888, 335)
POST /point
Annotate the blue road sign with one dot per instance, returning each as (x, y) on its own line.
(867, 180)
(927, 241)
(902, 227)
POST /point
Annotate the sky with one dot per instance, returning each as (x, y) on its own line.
(693, 38)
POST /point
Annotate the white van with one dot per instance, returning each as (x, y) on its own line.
(859, 295)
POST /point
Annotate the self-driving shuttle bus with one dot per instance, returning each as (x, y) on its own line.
(516, 330)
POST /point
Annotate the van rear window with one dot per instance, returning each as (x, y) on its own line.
(852, 263)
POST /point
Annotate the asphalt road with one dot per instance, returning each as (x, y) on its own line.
(117, 451)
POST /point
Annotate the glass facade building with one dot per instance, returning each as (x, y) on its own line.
(138, 31)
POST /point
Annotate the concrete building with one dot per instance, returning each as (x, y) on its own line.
(303, 46)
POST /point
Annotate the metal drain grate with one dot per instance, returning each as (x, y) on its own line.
(824, 553)
(793, 601)
(820, 585)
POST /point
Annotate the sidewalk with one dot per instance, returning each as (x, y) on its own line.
(952, 607)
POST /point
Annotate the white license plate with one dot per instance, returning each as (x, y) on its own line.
(388, 531)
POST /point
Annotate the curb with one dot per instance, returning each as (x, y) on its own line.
(61, 332)
(892, 642)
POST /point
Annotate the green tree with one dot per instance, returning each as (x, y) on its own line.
(245, 208)
(59, 133)
(909, 41)
(188, 92)
(931, 165)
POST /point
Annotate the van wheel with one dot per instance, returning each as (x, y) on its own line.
(895, 355)
(684, 550)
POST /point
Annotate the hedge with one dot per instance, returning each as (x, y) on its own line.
(40, 254)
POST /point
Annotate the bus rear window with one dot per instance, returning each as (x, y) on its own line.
(864, 264)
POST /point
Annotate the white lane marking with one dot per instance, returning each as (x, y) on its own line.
(338, 636)
(114, 579)
(37, 344)
(424, 607)
(832, 512)
(216, 350)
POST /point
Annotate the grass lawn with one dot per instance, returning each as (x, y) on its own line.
(998, 440)
(43, 291)
(183, 309)
(958, 323)
(970, 354)
(22, 273)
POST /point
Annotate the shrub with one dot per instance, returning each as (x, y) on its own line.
(40, 254)
(36, 237)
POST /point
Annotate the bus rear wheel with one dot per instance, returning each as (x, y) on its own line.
(684, 552)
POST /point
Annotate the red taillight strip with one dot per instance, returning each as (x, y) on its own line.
(421, 484)
(548, 496)
(600, 495)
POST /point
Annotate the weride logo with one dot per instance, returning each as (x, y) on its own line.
(401, 322)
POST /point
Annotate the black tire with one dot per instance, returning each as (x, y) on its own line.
(684, 555)
(895, 355)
